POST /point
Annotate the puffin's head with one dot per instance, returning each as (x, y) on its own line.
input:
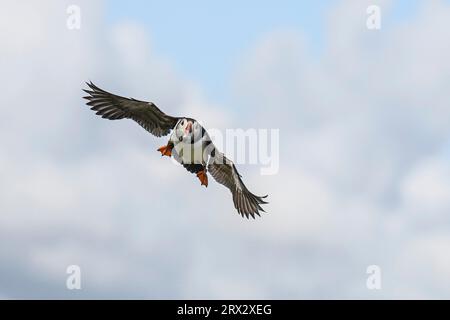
(188, 129)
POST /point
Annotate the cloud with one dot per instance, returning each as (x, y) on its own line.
(363, 170)
(364, 131)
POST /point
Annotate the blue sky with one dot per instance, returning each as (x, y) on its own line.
(204, 39)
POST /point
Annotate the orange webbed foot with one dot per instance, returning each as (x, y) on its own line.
(203, 178)
(166, 150)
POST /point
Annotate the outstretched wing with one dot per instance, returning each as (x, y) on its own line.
(113, 107)
(224, 172)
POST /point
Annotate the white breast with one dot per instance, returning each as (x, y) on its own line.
(190, 153)
(186, 152)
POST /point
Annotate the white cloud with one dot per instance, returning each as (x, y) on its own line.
(362, 120)
(427, 188)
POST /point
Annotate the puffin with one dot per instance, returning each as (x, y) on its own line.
(189, 144)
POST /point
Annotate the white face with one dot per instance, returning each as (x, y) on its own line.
(187, 129)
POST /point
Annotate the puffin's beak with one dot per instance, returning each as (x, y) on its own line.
(188, 128)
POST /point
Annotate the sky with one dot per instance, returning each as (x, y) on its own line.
(211, 37)
(364, 126)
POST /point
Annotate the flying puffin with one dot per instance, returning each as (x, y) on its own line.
(189, 143)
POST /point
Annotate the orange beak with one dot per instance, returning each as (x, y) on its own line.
(188, 128)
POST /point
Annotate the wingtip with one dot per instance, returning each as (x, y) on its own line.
(91, 85)
(263, 197)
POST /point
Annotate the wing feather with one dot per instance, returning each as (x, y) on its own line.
(224, 172)
(114, 107)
